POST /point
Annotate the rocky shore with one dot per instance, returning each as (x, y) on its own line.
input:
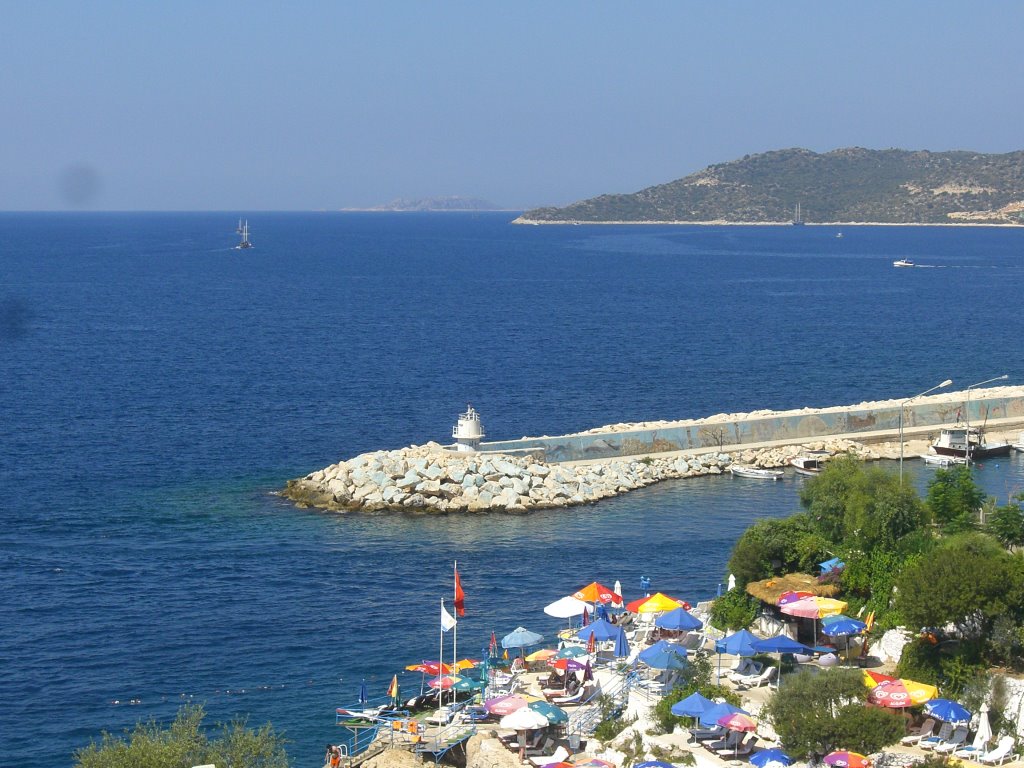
(431, 479)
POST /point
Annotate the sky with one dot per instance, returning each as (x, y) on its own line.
(327, 105)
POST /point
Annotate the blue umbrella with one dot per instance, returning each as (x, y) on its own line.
(679, 619)
(947, 711)
(693, 705)
(653, 764)
(520, 637)
(765, 756)
(738, 644)
(364, 695)
(841, 626)
(621, 645)
(713, 714)
(600, 629)
(570, 652)
(664, 655)
(780, 644)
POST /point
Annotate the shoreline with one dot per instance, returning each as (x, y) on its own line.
(522, 220)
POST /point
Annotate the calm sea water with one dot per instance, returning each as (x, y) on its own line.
(157, 386)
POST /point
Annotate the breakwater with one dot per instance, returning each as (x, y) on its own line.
(549, 472)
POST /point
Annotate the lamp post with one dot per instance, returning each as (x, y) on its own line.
(946, 383)
(967, 413)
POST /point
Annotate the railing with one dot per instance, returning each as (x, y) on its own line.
(589, 714)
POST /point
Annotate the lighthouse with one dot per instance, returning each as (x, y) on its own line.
(469, 431)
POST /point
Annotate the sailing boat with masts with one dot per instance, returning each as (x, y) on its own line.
(243, 231)
(798, 219)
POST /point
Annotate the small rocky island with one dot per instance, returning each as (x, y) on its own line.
(844, 186)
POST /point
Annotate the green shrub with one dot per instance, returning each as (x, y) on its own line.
(734, 610)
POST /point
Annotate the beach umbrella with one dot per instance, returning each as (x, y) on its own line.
(780, 644)
(600, 630)
(364, 694)
(565, 608)
(840, 626)
(846, 760)
(566, 664)
(593, 762)
(524, 719)
(521, 637)
(465, 684)
(664, 655)
(813, 607)
(693, 705)
(505, 705)
(765, 756)
(466, 664)
(621, 649)
(430, 668)
(947, 711)
(872, 679)
(588, 672)
(656, 603)
(444, 683)
(792, 596)
(901, 693)
(653, 764)
(737, 721)
(679, 619)
(542, 655)
(984, 733)
(712, 715)
(597, 593)
(591, 644)
(570, 652)
(618, 591)
(737, 644)
(555, 715)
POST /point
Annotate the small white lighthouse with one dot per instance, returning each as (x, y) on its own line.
(469, 431)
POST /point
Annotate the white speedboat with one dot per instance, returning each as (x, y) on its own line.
(903, 263)
(938, 460)
(756, 473)
(810, 463)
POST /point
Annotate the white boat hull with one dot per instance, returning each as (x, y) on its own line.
(756, 473)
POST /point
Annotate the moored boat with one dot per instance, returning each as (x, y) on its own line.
(968, 442)
(1019, 445)
(756, 473)
(938, 460)
(810, 463)
(903, 263)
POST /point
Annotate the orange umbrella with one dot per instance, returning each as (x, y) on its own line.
(597, 593)
(431, 667)
(656, 603)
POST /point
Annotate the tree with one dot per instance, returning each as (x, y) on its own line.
(1007, 523)
(776, 546)
(184, 743)
(734, 610)
(817, 713)
(967, 580)
(954, 498)
(695, 678)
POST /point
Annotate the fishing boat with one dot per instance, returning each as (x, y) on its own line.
(756, 473)
(968, 442)
(903, 263)
(938, 460)
(243, 231)
(811, 463)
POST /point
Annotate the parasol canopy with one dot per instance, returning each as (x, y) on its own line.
(566, 607)
(947, 711)
(814, 607)
(737, 721)
(597, 593)
(431, 668)
(600, 630)
(765, 756)
(678, 619)
(506, 705)
(737, 644)
(844, 759)
(664, 655)
(693, 705)
(521, 637)
(713, 714)
(842, 626)
(656, 603)
(542, 655)
(570, 652)
(902, 693)
(524, 719)
(555, 715)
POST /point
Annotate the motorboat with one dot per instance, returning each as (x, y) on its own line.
(756, 473)
(938, 460)
(903, 263)
(810, 463)
(969, 443)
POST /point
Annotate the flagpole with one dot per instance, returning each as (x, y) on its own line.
(455, 633)
(440, 662)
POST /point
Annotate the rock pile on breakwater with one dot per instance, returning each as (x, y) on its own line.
(430, 479)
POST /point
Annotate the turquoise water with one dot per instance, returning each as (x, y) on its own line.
(158, 386)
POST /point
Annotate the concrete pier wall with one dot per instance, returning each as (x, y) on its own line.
(795, 426)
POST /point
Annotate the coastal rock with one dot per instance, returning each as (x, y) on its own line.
(395, 758)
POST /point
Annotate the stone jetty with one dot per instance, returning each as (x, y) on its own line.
(430, 479)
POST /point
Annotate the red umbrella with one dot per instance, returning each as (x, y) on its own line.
(591, 645)
(594, 593)
(844, 759)
(443, 682)
(431, 668)
(792, 596)
(505, 705)
(564, 664)
(737, 721)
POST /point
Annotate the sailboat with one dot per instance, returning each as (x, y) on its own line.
(798, 220)
(243, 230)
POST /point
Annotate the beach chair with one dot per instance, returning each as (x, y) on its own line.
(558, 756)
(730, 742)
(1002, 752)
(705, 734)
(921, 732)
(956, 740)
(545, 747)
(742, 749)
(929, 742)
(756, 681)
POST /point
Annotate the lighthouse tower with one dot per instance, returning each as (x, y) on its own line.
(469, 431)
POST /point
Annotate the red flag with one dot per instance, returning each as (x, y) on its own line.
(460, 597)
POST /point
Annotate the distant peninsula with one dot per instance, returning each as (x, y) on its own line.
(844, 186)
(451, 203)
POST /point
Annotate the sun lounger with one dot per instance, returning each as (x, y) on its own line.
(921, 732)
(930, 742)
(742, 749)
(728, 744)
(558, 756)
(1002, 752)
(705, 734)
(954, 742)
(756, 681)
(575, 698)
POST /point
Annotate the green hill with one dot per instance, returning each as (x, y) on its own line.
(846, 185)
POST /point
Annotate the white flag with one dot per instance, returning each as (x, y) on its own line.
(447, 620)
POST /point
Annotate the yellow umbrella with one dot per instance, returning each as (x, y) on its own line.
(542, 655)
(902, 693)
(656, 603)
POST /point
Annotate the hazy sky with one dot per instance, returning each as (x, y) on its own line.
(323, 105)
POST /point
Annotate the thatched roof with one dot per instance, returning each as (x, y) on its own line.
(770, 590)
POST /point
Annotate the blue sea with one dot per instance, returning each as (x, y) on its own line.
(157, 386)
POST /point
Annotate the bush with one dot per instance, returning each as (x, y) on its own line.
(696, 678)
(776, 546)
(185, 743)
(954, 498)
(734, 610)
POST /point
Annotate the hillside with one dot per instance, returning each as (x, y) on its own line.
(846, 185)
(452, 203)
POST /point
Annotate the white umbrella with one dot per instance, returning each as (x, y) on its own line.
(524, 719)
(618, 591)
(732, 582)
(566, 608)
(984, 734)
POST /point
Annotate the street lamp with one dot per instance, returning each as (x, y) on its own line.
(967, 413)
(946, 383)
